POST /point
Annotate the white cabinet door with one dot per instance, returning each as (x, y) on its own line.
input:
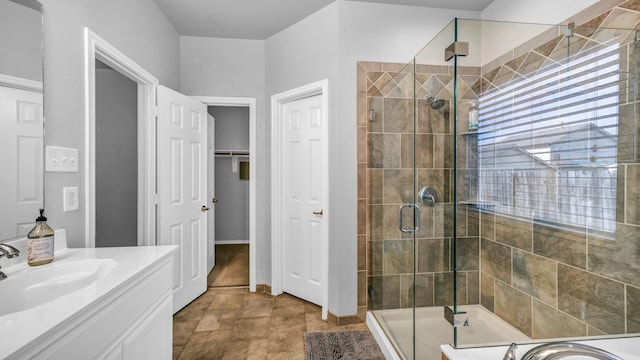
(303, 195)
(182, 189)
(153, 338)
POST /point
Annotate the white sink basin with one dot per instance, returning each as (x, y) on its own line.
(30, 287)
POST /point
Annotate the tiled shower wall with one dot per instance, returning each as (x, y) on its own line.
(545, 281)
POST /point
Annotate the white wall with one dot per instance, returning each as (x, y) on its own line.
(235, 68)
(550, 12)
(138, 29)
(498, 38)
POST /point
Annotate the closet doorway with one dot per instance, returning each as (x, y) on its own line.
(232, 188)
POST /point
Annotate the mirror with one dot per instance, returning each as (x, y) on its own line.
(21, 116)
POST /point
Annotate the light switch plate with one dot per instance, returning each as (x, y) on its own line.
(70, 199)
(61, 159)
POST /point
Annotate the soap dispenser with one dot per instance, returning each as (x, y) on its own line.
(40, 242)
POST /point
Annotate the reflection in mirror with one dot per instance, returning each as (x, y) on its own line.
(21, 116)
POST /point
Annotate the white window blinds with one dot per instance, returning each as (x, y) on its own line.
(548, 142)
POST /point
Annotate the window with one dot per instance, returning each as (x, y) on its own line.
(548, 142)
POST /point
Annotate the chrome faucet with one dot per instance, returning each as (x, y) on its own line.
(511, 353)
(8, 251)
(559, 350)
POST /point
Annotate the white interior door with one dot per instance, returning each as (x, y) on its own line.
(303, 199)
(211, 187)
(21, 186)
(182, 190)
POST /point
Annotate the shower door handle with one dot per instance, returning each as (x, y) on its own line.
(416, 218)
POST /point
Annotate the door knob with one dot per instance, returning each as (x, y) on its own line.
(318, 212)
(214, 200)
(204, 208)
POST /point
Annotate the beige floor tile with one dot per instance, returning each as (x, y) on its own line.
(315, 323)
(258, 296)
(258, 349)
(256, 308)
(287, 339)
(232, 266)
(288, 310)
(192, 312)
(208, 345)
(251, 328)
(227, 301)
(176, 351)
(237, 350)
(286, 356)
(217, 320)
(182, 331)
(288, 300)
(232, 323)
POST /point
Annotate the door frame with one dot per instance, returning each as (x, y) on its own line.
(96, 48)
(253, 177)
(277, 167)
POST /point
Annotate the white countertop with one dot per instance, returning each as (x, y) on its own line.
(626, 347)
(20, 328)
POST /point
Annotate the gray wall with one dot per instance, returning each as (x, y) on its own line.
(231, 127)
(116, 159)
(232, 209)
(139, 30)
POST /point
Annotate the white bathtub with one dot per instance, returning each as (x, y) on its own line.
(393, 329)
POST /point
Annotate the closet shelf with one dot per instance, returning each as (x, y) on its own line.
(232, 153)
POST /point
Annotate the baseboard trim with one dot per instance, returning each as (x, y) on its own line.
(343, 320)
(331, 318)
(263, 288)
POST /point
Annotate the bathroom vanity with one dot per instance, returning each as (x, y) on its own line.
(89, 303)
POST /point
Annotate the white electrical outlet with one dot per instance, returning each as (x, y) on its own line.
(70, 199)
(60, 159)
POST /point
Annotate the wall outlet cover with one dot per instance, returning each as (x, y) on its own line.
(70, 199)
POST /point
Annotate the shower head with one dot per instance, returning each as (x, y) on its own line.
(435, 103)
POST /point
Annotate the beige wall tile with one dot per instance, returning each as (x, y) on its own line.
(512, 232)
(593, 299)
(550, 323)
(564, 246)
(535, 276)
(496, 260)
(513, 306)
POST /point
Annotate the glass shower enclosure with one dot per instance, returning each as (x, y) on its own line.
(502, 186)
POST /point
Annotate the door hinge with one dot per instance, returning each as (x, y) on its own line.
(156, 199)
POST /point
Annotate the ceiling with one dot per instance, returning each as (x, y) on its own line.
(259, 19)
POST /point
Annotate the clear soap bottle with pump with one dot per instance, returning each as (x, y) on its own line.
(473, 116)
(40, 241)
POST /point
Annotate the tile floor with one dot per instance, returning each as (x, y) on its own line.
(233, 323)
(232, 266)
